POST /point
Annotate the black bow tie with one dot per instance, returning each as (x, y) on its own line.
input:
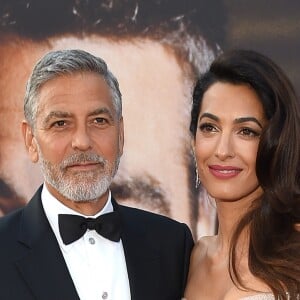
(73, 227)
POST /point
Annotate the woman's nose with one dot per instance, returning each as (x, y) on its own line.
(224, 147)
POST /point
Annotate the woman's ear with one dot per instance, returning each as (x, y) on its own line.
(30, 142)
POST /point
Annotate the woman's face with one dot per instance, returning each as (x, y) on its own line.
(230, 124)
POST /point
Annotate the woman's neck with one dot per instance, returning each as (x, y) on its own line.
(229, 215)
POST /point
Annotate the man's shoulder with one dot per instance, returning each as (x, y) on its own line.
(147, 215)
(145, 219)
(10, 220)
(162, 232)
(10, 226)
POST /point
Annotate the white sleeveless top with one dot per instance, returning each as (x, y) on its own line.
(265, 296)
(261, 296)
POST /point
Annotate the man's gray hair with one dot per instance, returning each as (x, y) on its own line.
(66, 62)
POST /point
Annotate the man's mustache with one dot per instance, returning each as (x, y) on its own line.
(78, 158)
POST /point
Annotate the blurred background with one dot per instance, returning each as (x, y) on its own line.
(29, 28)
(268, 26)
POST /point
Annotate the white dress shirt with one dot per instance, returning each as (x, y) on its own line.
(97, 265)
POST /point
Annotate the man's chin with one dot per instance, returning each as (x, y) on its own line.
(89, 192)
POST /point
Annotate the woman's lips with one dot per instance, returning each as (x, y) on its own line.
(224, 172)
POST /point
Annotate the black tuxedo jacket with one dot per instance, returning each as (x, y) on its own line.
(157, 252)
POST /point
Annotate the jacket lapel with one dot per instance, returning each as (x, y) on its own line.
(141, 254)
(42, 266)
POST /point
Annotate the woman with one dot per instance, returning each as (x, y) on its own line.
(246, 129)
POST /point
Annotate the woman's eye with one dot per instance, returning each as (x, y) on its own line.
(249, 132)
(206, 127)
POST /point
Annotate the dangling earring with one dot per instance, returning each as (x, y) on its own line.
(197, 178)
(197, 183)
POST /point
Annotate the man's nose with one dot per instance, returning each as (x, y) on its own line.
(81, 139)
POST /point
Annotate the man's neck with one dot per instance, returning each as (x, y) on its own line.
(87, 208)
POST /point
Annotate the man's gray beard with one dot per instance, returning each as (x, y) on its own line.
(82, 186)
(81, 190)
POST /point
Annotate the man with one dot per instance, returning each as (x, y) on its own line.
(155, 48)
(74, 130)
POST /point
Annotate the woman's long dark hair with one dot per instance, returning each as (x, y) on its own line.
(274, 249)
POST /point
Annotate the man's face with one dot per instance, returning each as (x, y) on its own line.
(78, 146)
(156, 106)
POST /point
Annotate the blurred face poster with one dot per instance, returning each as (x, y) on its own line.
(156, 50)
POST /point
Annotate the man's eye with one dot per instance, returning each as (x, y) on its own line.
(59, 123)
(100, 121)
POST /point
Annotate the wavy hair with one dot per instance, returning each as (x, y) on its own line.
(274, 242)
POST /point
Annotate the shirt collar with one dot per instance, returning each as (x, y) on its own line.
(53, 207)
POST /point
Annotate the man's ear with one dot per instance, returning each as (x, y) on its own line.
(30, 142)
(121, 136)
